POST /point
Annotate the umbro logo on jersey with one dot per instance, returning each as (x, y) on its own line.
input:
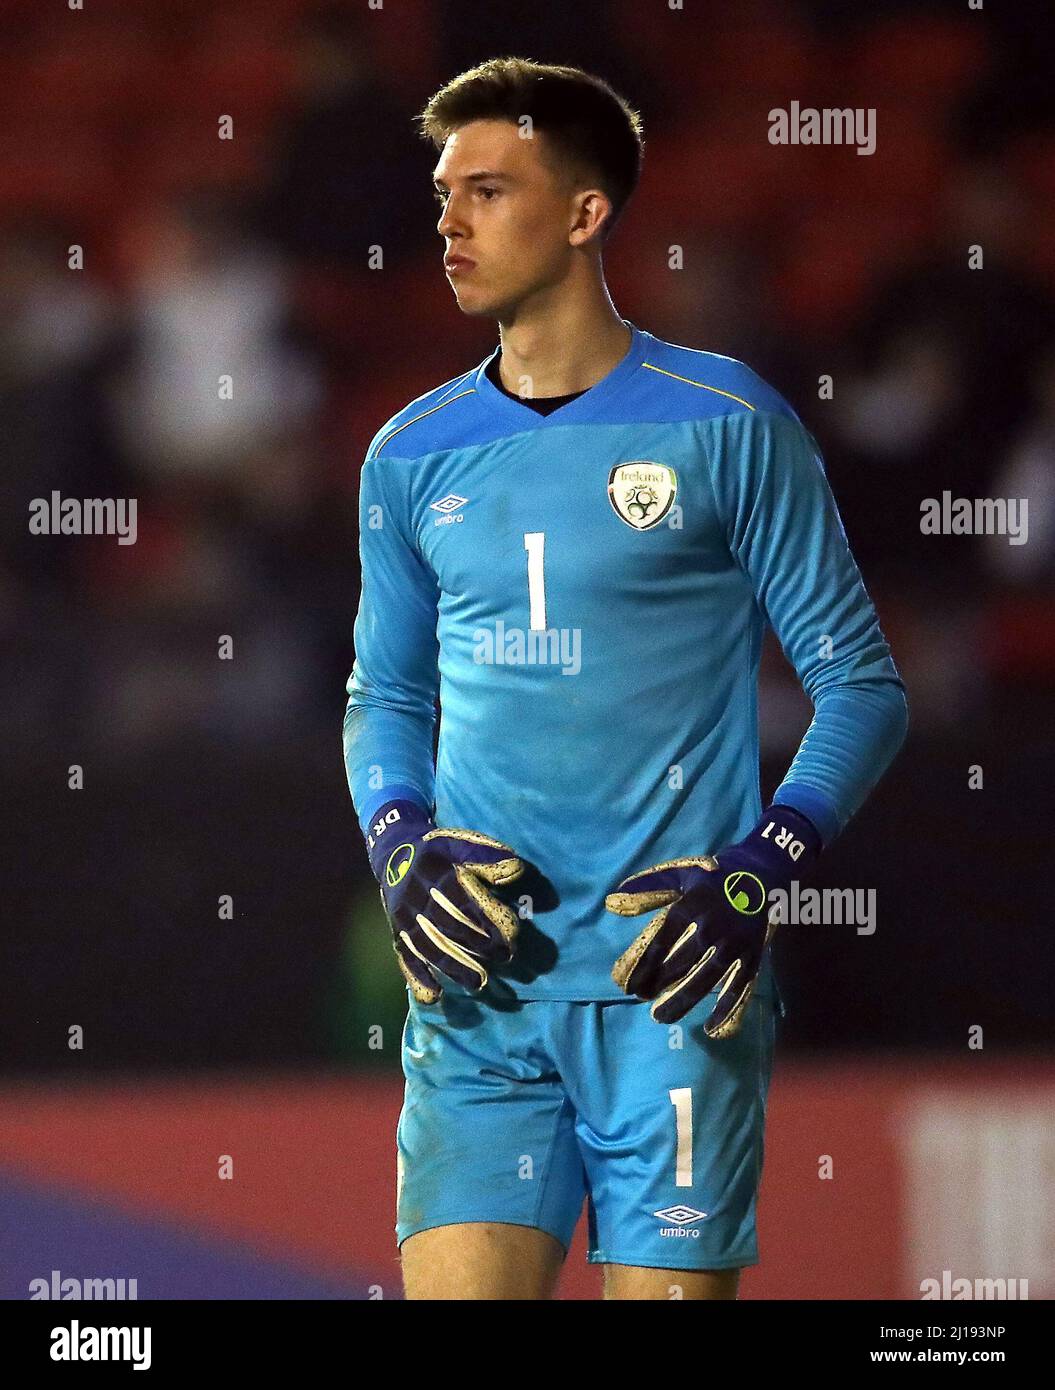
(642, 492)
(450, 503)
(680, 1217)
(448, 506)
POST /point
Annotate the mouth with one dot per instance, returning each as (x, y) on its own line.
(458, 265)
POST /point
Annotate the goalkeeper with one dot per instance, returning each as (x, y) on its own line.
(580, 572)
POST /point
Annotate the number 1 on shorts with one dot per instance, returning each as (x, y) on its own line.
(681, 1099)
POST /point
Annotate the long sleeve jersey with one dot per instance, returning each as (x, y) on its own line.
(584, 594)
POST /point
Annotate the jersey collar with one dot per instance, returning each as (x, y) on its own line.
(582, 408)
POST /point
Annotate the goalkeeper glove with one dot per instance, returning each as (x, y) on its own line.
(714, 924)
(434, 890)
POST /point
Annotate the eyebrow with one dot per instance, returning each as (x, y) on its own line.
(479, 177)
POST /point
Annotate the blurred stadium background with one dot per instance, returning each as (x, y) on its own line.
(251, 1037)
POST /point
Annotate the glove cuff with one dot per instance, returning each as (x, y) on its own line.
(785, 843)
(394, 823)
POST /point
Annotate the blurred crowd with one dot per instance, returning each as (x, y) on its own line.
(250, 258)
(255, 258)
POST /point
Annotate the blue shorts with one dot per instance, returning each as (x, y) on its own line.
(522, 1112)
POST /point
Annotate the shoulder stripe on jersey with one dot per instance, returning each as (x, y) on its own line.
(701, 384)
(431, 411)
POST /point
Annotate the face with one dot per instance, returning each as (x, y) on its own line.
(510, 217)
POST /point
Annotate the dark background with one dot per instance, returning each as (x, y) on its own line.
(206, 777)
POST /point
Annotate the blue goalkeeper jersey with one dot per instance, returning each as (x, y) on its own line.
(585, 594)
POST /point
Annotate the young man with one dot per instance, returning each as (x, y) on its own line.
(576, 546)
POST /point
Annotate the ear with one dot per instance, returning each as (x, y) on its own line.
(592, 210)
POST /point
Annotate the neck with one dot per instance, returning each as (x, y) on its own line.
(555, 347)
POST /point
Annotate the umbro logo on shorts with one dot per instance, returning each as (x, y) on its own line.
(680, 1217)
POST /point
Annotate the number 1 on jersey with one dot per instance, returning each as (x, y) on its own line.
(535, 545)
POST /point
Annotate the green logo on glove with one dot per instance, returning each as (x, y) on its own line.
(745, 892)
(397, 872)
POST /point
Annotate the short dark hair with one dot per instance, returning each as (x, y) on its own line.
(589, 125)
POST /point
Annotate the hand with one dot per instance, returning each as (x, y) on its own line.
(715, 921)
(434, 886)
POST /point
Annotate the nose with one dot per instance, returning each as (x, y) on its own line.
(450, 224)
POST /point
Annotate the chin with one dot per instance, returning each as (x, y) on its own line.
(476, 306)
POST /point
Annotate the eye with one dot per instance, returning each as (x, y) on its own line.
(440, 195)
(486, 192)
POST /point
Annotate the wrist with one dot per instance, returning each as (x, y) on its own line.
(393, 824)
(785, 845)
